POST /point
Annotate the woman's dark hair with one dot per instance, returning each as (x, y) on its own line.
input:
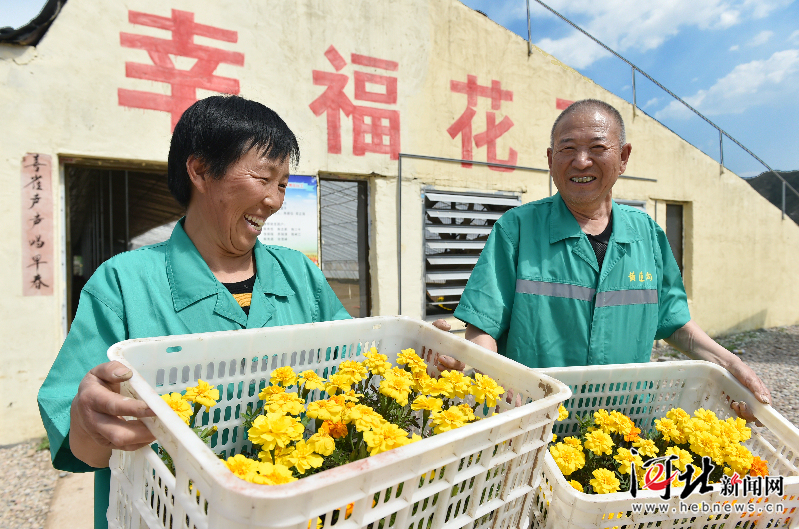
(221, 129)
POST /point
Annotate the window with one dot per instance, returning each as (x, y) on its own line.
(456, 226)
(674, 231)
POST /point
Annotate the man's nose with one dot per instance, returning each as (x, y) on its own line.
(582, 158)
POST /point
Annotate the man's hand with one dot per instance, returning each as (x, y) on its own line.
(696, 344)
(444, 362)
(97, 425)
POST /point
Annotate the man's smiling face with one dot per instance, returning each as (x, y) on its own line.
(587, 158)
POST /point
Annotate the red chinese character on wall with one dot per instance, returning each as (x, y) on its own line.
(184, 83)
(374, 129)
(494, 130)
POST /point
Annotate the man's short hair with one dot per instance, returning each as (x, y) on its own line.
(221, 129)
(590, 104)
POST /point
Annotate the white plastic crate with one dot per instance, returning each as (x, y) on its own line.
(480, 475)
(646, 392)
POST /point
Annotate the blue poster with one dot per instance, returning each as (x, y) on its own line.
(296, 224)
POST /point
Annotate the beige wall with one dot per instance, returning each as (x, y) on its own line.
(60, 98)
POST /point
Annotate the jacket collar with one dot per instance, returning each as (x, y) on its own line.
(563, 225)
(190, 279)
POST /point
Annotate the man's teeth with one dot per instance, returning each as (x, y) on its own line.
(255, 221)
(582, 179)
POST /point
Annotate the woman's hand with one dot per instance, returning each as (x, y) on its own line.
(96, 423)
(444, 362)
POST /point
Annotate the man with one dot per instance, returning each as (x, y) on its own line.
(576, 279)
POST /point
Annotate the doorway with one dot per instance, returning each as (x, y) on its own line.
(109, 211)
(344, 226)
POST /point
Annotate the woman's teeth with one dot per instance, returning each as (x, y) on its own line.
(255, 221)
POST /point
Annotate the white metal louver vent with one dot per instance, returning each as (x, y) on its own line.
(456, 226)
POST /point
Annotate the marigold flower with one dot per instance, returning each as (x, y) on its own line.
(340, 382)
(268, 391)
(646, 447)
(336, 430)
(203, 393)
(759, 467)
(179, 406)
(364, 417)
(706, 416)
(356, 370)
(311, 380)
(384, 438)
(684, 457)
(303, 458)
(280, 455)
(423, 402)
(377, 363)
(604, 421)
(554, 438)
(322, 443)
(668, 428)
(739, 458)
(707, 444)
(467, 412)
(325, 410)
(397, 386)
(563, 413)
(411, 359)
(286, 403)
(275, 429)
(740, 424)
(435, 386)
(283, 376)
(460, 384)
(573, 441)
(599, 442)
(626, 460)
(576, 485)
(269, 474)
(241, 466)
(568, 458)
(446, 420)
(604, 481)
(485, 389)
(678, 415)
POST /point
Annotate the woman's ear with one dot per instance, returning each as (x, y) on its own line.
(198, 173)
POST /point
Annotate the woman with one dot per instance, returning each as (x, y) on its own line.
(229, 167)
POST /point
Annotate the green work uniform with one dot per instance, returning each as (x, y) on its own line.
(167, 289)
(538, 291)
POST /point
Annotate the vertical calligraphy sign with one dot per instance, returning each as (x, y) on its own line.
(37, 225)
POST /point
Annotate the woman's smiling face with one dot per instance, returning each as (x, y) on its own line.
(235, 207)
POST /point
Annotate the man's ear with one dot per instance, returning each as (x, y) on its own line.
(625, 156)
(549, 158)
(198, 173)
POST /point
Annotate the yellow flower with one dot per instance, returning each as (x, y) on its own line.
(485, 389)
(605, 422)
(304, 458)
(707, 444)
(203, 393)
(568, 458)
(604, 481)
(283, 376)
(626, 459)
(268, 391)
(684, 456)
(275, 429)
(339, 382)
(397, 385)
(739, 458)
(554, 438)
(436, 386)
(286, 403)
(311, 380)
(461, 384)
(646, 447)
(599, 442)
(325, 410)
(242, 466)
(269, 474)
(759, 467)
(668, 428)
(281, 454)
(364, 417)
(356, 370)
(377, 363)
(706, 416)
(178, 405)
(563, 413)
(678, 415)
(446, 420)
(322, 443)
(424, 402)
(336, 430)
(576, 485)
(467, 412)
(384, 438)
(744, 432)
(412, 360)
(573, 441)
